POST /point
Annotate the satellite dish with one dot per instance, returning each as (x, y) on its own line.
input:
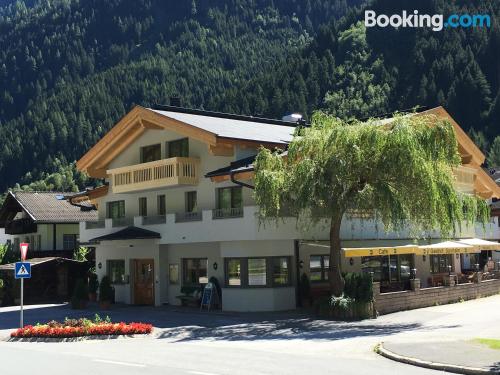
(60, 197)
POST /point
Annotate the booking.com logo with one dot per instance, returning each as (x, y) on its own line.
(435, 21)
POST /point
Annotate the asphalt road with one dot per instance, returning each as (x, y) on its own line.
(201, 344)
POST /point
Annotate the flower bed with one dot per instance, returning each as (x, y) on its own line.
(81, 327)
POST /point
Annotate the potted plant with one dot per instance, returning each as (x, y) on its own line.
(305, 290)
(1, 291)
(106, 293)
(80, 295)
(93, 286)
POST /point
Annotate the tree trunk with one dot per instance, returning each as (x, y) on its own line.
(335, 273)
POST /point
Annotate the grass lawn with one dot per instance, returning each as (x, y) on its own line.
(492, 343)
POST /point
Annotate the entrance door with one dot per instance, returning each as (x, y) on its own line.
(144, 282)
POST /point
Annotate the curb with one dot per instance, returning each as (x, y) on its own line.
(431, 365)
(77, 338)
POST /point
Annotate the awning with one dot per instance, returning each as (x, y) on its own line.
(447, 247)
(129, 233)
(379, 251)
(481, 244)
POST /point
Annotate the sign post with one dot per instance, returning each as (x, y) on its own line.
(22, 271)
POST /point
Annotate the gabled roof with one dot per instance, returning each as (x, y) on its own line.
(237, 128)
(129, 233)
(44, 207)
(219, 131)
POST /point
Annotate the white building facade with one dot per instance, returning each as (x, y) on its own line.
(179, 210)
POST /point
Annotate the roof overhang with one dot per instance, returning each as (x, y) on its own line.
(130, 127)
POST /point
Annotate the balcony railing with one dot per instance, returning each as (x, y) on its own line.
(227, 213)
(155, 174)
(182, 217)
(152, 220)
(95, 224)
(122, 222)
(20, 226)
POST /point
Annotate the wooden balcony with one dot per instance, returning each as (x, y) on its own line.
(20, 226)
(156, 174)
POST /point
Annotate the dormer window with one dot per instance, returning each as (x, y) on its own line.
(150, 153)
(178, 148)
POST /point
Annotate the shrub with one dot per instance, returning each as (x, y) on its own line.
(80, 293)
(359, 287)
(105, 290)
(93, 283)
(81, 253)
(305, 287)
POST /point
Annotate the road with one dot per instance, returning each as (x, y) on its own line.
(201, 344)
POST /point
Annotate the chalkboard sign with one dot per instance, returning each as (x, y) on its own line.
(209, 297)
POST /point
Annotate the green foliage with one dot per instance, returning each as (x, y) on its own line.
(80, 294)
(81, 253)
(401, 171)
(494, 154)
(105, 290)
(359, 287)
(305, 286)
(352, 72)
(71, 69)
(8, 254)
(93, 283)
(343, 302)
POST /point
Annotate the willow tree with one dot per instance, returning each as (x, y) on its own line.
(401, 171)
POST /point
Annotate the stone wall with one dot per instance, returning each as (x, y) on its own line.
(413, 299)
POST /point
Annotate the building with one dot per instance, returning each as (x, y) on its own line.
(45, 220)
(179, 209)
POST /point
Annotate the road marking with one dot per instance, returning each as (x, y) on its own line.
(201, 373)
(120, 363)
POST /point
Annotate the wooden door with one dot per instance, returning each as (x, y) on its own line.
(144, 282)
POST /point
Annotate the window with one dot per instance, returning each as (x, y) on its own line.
(143, 206)
(280, 269)
(116, 271)
(233, 272)
(69, 241)
(150, 153)
(178, 148)
(318, 268)
(229, 197)
(173, 274)
(161, 205)
(393, 268)
(257, 273)
(194, 271)
(440, 263)
(191, 201)
(115, 209)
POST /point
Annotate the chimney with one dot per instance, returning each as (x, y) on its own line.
(175, 101)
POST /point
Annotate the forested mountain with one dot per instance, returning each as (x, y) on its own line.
(350, 70)
(71, 68)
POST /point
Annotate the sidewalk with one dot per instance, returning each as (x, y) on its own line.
(464, 357)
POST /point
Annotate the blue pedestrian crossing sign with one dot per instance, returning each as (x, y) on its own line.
(22, 270)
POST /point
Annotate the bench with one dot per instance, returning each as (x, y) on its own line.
(191, 295)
